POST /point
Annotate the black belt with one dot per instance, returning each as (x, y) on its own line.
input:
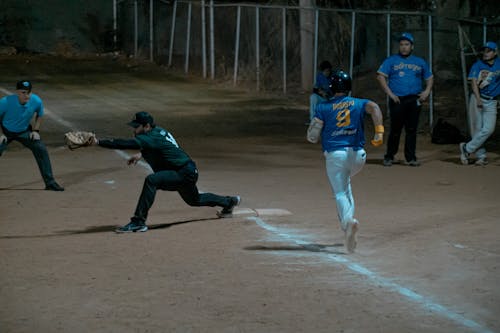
(489, 98)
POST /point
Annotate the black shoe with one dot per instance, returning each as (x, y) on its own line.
(387, 162)
(133, 226)
(413, 163)
(54, 187)
(228, 211)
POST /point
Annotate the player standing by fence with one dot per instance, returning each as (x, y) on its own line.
(485, 76)
(404, 73)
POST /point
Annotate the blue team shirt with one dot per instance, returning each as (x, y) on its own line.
(488, 77)
(17, 117)
(343, 123)
(405, 74)
(322, 82)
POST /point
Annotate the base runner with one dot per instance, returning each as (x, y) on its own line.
(339, 122)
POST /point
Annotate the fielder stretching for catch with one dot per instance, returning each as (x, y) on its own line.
(339, 122)
(173, 170)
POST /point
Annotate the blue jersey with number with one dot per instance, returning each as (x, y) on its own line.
(488, 77)
(17, 117)
(405, 74)
(343, 125)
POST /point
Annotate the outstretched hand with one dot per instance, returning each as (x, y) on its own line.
(134, 159)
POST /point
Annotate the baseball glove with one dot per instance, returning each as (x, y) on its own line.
(78, 139)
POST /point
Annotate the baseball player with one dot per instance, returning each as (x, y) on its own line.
(339, 122)
(17, 112)
(321, 90)
(404, 73)
(485, 77)
(173, 170)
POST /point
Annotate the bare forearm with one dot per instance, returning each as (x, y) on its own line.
(373, 110)
(428, 85)
(37, 124)
(383, 84)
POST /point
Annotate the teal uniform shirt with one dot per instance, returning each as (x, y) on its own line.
(161, 151)
(17, 117)
(158, 147)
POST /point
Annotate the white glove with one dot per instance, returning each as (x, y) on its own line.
(34, 136)
(3, 139)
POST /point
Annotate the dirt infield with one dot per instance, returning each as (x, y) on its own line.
(428, 258)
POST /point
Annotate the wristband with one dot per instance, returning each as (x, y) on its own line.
(38, 131)
(379, 129)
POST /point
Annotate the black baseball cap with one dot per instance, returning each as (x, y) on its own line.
(24, 85)
(141, 118)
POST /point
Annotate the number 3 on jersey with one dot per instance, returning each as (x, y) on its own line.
(344, 118)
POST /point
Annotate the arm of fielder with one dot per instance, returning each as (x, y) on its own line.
(374, 111)
(314, 130)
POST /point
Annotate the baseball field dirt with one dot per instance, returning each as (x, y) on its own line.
(428, 256)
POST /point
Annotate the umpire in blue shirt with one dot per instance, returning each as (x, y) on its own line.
(401, 76)
(17, 112)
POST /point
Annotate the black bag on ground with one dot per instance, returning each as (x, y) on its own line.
(445, 133)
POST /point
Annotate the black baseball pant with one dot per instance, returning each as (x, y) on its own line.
(183, 181)
(403, 115)
(38, 149)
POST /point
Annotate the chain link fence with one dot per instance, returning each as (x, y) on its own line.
(261, 47)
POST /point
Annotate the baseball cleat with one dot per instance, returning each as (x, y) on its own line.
(132, 227)
(413, 163)
(228, 211)
(481, 161)
(350, 235)
(54, 187)
(464, 155)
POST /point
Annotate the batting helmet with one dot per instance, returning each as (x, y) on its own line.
(340, 81)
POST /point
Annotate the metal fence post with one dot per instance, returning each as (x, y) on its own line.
(188, 38)
(136, 29)
(315, 57)
(151, 14)
(115, 28)
(257, 48)
(284, 49)
(353, 32)
(172, 34)
(237, 45)
(431, 99)
(388, 52)
(212, 46)
(203, 40)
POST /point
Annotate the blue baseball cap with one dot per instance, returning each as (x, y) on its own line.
(406, 36)
(490, 45)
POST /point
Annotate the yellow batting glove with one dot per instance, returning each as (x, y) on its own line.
(378, 138)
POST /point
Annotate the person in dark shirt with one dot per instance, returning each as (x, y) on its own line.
(173, 170)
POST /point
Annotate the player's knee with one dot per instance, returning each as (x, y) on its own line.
(193, 201)
(151, 181)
